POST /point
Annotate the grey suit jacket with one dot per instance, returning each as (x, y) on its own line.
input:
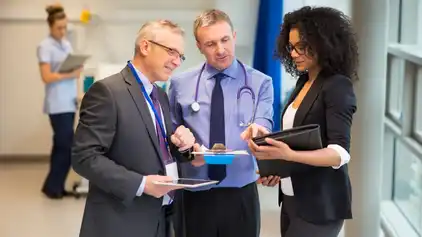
(115, 146)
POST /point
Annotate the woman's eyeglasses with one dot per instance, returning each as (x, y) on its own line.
(299, 47)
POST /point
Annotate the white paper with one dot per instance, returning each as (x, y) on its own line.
(171, 170)
(206, 151)
(240, 152)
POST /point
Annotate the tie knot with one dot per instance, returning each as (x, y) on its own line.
(154, 93)
(219, 76)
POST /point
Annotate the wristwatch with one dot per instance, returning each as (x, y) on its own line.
(188, 154)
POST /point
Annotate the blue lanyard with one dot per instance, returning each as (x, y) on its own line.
(157, 118)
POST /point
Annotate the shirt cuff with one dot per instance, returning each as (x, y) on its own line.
(344, 155)
(141, 187)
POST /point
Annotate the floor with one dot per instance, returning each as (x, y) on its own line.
(26, 212)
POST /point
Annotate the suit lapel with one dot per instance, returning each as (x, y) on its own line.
(141, 103)
(308, 101)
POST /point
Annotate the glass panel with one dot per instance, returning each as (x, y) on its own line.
(419, 29)
(408, 185)
(409, 21)
(394, 21)
(418, 107)
(395, 88)
(388, 161)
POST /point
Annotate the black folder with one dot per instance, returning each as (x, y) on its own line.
(301, 138)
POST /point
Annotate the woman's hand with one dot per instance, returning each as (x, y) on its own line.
(275, 150)
(77, 72)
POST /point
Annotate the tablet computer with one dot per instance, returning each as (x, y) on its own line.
(187, 183)
(72, 62)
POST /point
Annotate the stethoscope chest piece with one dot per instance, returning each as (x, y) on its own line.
(195, 106)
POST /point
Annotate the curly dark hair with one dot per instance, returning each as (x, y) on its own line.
(328, 33)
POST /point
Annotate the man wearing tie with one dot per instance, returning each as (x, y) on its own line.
(123, 144)
(204, 100)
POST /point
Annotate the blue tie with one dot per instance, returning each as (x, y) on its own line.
(217, 126)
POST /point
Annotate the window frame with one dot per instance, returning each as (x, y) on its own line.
(395, 79)
(405, 42)
(417, 108)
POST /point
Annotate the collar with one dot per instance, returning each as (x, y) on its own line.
(56, 41)
(231, 71)
(147, 84)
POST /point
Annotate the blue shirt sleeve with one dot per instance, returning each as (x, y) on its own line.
(264, 109)
(175, 110)
(43, 54)
(141, 187)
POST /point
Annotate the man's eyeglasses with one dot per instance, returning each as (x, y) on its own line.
(172, 52)
(299, 47)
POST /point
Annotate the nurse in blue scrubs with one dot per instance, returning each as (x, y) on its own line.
(60, 102)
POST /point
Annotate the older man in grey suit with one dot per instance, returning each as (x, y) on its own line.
(123, 145)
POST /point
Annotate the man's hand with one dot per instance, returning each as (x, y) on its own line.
(155, 190)
(252, 131)
(269, 181)
(183, 138)
(199, 159)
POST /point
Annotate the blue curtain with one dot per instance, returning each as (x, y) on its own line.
(269, 21)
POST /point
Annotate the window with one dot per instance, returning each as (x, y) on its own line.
(394, 21)
(402, 178)
(388, 161)
(408, 185)
(395, 83)
(420, 24)
(409, 21)
(417, 118)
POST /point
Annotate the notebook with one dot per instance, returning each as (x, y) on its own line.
(301, 138)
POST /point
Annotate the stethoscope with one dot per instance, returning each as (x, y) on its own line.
(244, 89)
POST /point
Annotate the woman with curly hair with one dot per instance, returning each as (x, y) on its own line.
(318, 45)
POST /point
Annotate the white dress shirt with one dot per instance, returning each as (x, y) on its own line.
(288, 119)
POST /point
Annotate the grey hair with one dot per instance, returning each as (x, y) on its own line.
(149, 29)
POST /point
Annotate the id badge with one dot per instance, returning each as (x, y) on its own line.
(171, 170)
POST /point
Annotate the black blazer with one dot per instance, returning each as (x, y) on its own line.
(323, 193)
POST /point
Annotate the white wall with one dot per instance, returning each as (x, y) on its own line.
(24, 130)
